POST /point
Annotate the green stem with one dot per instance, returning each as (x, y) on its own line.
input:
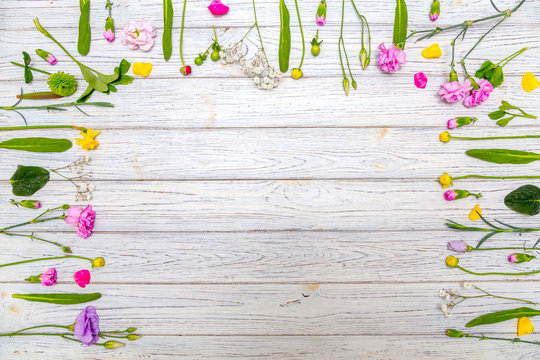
(347, 59)
(340, 40)
(63, 207)
(259, 32)
(453, 43)
(509, 58)
(498, 273)
(182, 32)
(504, 248)
(302, 34)
(35, 327)
(45, 259)
(33, 221)
(52, 106)
(494, 177)
(31, 68)
(496, 137)
(503, 297)
(480, 39)
(64, 248)
(80, 128)
(503, 339)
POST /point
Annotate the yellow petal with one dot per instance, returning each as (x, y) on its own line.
(142, 69)
(529, 82)
(475, 213)
(524, 326)
(431, 52)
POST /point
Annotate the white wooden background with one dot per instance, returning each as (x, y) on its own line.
(292, 224)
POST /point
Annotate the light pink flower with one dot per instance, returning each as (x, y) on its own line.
(108, 35)
(48, 278)
(83, 220)
(320, 20)
(82, 278)
(479, 95)
(450, 195)
(216, 7)
(137, 36)
(513, 258)
(458, 245)
(390, 59)
(452, 124)
(433, 17)
(51, 59)
(453, 91)
(420, 80)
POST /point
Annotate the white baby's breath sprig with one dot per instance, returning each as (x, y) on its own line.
(79, 177)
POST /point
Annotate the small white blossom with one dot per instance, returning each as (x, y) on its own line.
(442, 293)
(467, 285)
(91, 187)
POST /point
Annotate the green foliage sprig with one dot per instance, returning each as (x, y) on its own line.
(505, 110)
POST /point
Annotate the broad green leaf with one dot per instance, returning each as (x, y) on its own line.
(497, 77)
(486, 69)
(497, 114)
(505, 121)
(83, 44)
(26, 58)
(501, 316)
(284, 37)
(507, 106)
(167, 30)
(524, 200)
(28, 179)
(400, 24)
(503, 156)
(92, 79)
(60, 299)
(37, 144)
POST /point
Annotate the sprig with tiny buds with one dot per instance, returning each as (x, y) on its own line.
(81, 180)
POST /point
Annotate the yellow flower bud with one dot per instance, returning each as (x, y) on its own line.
(142, 69)
(111, 344)
(529, 82)
(132, 337)
(98, 262)
(475, 213)
(445, 180)
(445, 136)
(524, 326)
(296, 73)
(431, 52)
(452, 261)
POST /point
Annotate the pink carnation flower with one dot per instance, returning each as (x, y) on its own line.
(320, 20)
(390, 59)
(453, 91)
(136, 36)
(108, 35)
(450, 195)
(82, 278)
(48, 278)
(83, 220)
(420, 80)
(452, 124)
(216, 7)
(479, 95)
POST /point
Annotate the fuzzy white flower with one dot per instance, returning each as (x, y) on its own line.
(467, 285)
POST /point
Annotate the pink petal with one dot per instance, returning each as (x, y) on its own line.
(216, 7)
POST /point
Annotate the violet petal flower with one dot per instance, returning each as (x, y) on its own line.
(458, 246)
(86, 327)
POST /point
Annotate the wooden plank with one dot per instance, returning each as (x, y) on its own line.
(272, 309)
(265, 257)
(299, 153)
(372, 347)
(216, 103)
(271, 205)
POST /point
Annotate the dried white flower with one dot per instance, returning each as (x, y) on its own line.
(467, 285)
(442, 293)
(91, 187)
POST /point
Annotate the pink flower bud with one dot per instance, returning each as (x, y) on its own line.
(108, 35)
(320, 18)
(450, 195)
(452, 124)
(47, 56)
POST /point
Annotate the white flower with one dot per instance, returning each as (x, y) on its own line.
(91, 187)
(83, 187)
(467, 285)
(454, 292)
(88, 197)
(442, 293)
(257, 80)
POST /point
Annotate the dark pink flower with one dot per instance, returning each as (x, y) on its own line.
(453, 91)
(390, 59)
(420, 80)
(479, 95)
(216, 7)
(82, 278)
(83, 220)
(452, 124)
(48, 278)
(86, 327)
(450, 195)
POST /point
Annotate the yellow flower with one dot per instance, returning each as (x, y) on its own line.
(445, 180)
(431, 52)
(88, 141)
(98, 262)
(445, 136)
(142, 69)
(296, 73)
(452, 261)
(475, 213)
(524, 326)
(529, 82)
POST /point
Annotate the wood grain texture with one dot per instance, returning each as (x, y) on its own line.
(291, 224)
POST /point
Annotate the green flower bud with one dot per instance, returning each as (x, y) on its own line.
(131, 329)
(132, 337)
(34, 279)
(364, 59)
(111, 344)
(62, 84)
(346, 86)
(215, 55)
(454, 333)
(199, 60)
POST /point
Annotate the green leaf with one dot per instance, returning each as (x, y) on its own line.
(524, 200)
(284, 37)
(60, 299)
(503, 156)
(121, 71)
(497, 114)
(37, 144)
(26, 58)
(92, 79)
(26, 180)
(497, 77)
(400, 24)
(501, 316)
(505, 121)
(167, 30)
(83, 44)
(485, 70)
(507, 106)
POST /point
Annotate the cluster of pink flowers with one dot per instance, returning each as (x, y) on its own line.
(479, 95)
(453, 91)
(391, 58)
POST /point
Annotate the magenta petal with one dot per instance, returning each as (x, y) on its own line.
(420, 80)
(216, 7)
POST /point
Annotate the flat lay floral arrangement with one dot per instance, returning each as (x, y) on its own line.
(470, 87)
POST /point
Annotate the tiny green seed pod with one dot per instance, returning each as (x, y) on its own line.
(215, 55)
(199, 60)
(315, 50)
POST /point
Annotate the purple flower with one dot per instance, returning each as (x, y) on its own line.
(458, 246)
(390, 59)
(479, 95)
(86, 327)
(453, 91)
(450, 195)
(452, 124)
(48, 278)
